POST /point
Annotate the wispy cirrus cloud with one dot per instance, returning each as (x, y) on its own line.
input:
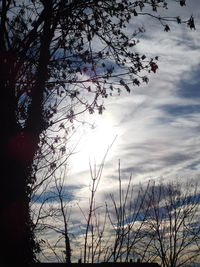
(157, 125)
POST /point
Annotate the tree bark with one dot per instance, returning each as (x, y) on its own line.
(17, 149)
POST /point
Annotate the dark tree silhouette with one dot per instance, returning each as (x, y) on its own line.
(172, 224)
(47, 54)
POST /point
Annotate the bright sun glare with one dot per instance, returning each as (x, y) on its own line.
(94, 142)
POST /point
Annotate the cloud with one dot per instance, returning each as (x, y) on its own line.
(161, 130)
(52, 195)
(157, 125)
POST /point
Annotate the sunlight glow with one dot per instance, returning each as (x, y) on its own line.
(94, 142)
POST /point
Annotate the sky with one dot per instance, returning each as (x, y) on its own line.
(154, 130)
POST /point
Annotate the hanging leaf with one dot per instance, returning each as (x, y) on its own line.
(178, 19)
(89, 37)
(135, 12)
(182, 2)
(167, 28)
(191, 23)
(154, 67)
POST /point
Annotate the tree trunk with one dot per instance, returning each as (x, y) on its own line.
(17, 149)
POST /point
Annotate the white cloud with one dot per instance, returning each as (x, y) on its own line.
(156, 125)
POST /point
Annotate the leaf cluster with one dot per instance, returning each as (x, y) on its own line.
(90, 49)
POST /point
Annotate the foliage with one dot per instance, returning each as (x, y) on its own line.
(75, 65)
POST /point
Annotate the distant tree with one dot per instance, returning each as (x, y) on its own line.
(172, 224)
(157, 223)
(127, 217)
(58, 52)
(108, 232)
(50, 210)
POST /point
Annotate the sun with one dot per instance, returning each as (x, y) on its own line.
(95, 142)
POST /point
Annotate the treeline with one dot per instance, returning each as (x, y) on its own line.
(156, 222)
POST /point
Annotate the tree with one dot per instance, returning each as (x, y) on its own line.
(109, 231)
(50, 209)
(172, 224)
(154, 223)
(127, 216)
(48, 56)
